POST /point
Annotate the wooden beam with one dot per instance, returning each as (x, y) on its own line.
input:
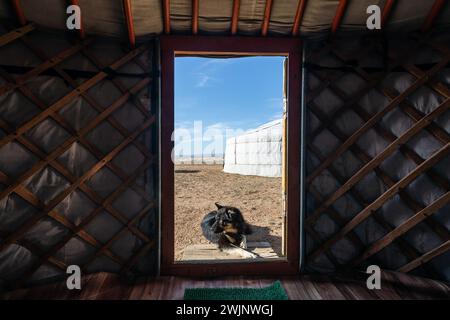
(387, 9)
(298, 17)
(15, 34)
(129, 22)
(20, 15)
(405, 226)
(166, 15)
(81, 32)
(339, 14)
(439, 250)
(235, 16)
(195, 5)
(435, 10)
(266, 20)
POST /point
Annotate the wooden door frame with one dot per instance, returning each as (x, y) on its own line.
(241, 46)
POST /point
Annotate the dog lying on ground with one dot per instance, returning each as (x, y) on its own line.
(227, 228)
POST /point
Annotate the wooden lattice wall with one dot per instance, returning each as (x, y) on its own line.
(359, 210)
(104, 161)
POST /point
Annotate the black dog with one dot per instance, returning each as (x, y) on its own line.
(226, 227)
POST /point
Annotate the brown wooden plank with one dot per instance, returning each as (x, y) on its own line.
(138, 289)
(235, 16)
(195, 5)
(302, 290)
(310, 288)
(212, 252)
(103, 285)
(15, 34)
(129, 22)
(439, 250)
(293, 291)
(112, 288)
(266, 18)
(93, 287)
(327, 287)
(298, 17)
(340, 11)
(166, 16)
(352, 289)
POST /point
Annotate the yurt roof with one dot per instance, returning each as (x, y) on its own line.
(266, 126)
(139, 19)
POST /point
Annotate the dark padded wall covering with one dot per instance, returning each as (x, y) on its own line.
(78, 183)
(362, 94)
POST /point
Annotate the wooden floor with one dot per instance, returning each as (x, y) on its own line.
(208, 252)
(305, 287)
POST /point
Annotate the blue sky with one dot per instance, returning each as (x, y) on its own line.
(237, 93)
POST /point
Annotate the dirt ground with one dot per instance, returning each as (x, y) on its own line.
(197, 187)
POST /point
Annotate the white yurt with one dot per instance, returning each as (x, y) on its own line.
(256, 152)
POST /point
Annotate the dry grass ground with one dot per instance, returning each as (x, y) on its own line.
(197, 187)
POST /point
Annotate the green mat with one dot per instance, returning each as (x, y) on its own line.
(272, 292)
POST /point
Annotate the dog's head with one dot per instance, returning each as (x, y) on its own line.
(230, 220)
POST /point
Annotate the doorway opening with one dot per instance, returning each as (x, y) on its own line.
(196, 176)
(230, 151)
